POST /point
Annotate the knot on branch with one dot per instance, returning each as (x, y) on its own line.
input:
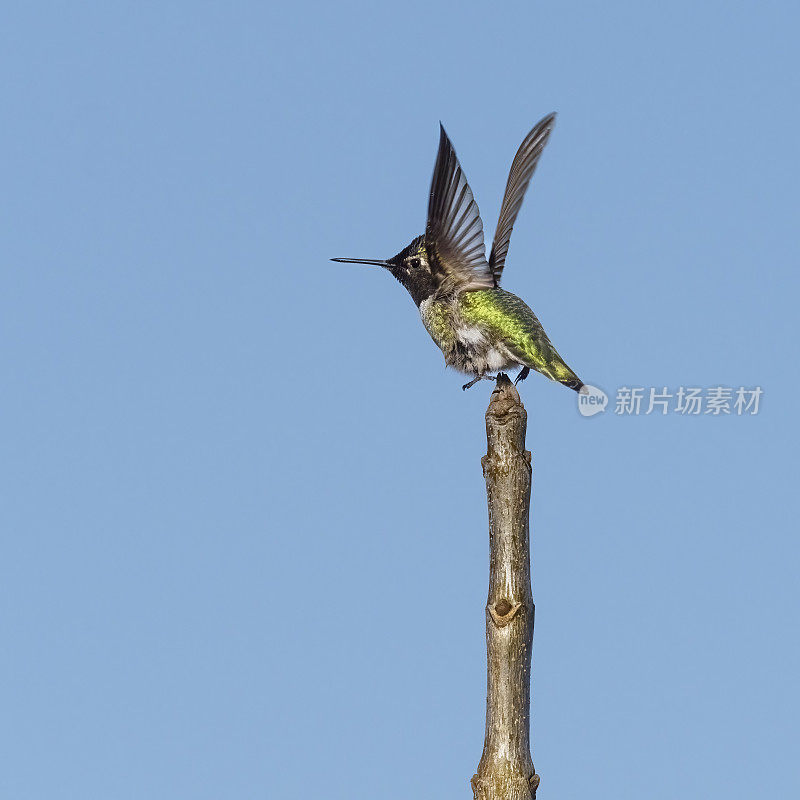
(502, 612)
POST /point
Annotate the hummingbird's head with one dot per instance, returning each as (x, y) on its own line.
(411, 266)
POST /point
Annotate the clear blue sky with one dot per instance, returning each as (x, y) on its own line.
(236, 478)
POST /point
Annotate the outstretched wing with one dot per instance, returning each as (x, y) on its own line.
(454, 227)
(518, 179)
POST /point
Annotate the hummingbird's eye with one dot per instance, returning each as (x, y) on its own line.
(414, 263)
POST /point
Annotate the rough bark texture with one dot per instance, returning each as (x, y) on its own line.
(505, 771)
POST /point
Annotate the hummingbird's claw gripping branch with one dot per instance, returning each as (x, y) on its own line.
(483, 378)
(471, 383)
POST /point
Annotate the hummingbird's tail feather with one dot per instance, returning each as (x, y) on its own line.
(544, 358)
(575, 384)
(555, 368)
(558, 371)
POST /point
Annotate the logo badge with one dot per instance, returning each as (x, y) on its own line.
(591, 400)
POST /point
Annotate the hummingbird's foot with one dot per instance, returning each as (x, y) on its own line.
(522, 374)
(472, 382)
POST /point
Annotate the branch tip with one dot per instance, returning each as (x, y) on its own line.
(505, 398)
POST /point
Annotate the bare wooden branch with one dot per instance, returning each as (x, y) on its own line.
(506, 771)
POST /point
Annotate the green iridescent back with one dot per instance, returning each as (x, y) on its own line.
(511, 320)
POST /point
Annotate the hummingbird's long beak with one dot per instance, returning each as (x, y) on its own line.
(378, 262)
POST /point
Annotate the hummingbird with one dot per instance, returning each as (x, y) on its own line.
(479, 327)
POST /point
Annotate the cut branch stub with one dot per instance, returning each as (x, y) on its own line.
(505, 771)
